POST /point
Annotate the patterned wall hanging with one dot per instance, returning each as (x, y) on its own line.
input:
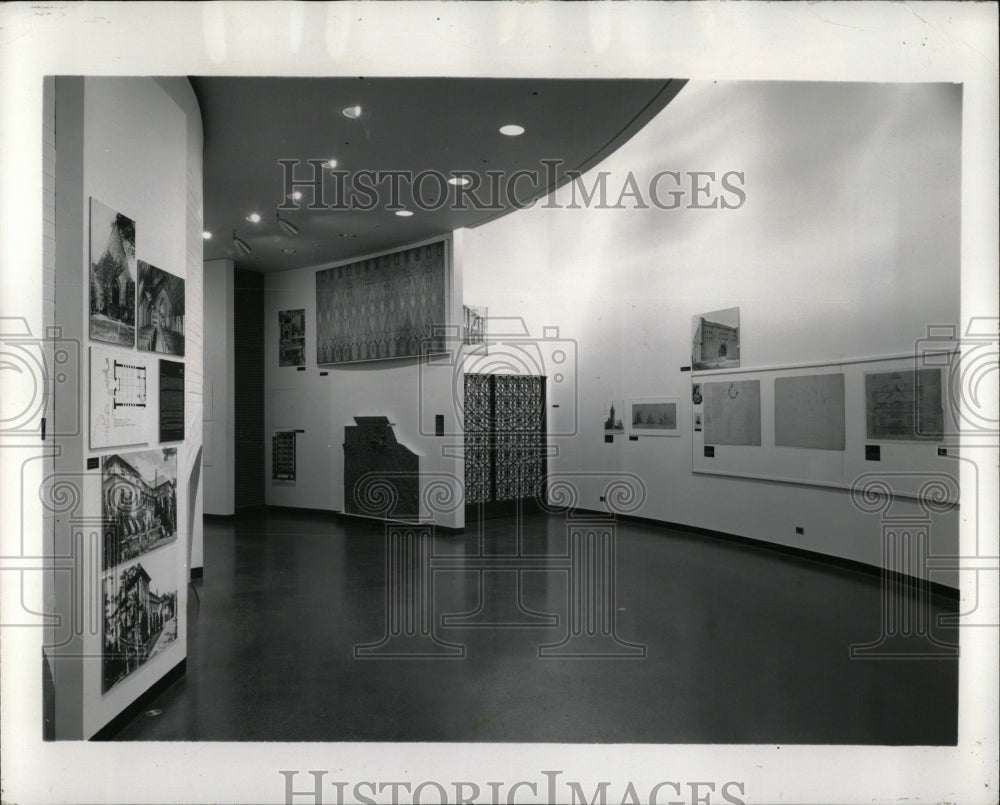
(392, 306)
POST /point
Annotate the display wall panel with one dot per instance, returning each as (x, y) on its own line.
(105, 130)
(806, 412)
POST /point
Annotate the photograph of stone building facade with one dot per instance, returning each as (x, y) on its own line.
(139, 503)
(716, 340)
(112, 275)
(139, 622)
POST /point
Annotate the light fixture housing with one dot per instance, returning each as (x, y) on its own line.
(241, 246)
(287, 226)
(353, 112)
(512, 130)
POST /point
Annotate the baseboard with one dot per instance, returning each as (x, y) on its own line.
(936, 588)
(115, 725)
(334, 514)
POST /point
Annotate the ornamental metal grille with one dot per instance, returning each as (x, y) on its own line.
(504, 437)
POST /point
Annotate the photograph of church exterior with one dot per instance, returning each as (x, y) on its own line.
(138, 623)
(112, 275)
(139, 494)
(614, 424)
(161, 311)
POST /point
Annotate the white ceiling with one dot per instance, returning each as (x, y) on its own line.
(406, 124)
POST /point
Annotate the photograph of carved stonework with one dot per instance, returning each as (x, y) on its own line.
(391, 306)
(138, 503)
(292, 339)
(112, 275)
(140, 619)
(160, 311)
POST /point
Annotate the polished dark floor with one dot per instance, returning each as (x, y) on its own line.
(744, 645)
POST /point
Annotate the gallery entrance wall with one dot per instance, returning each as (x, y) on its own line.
(122, 483)
(308, 405)
(823, 269)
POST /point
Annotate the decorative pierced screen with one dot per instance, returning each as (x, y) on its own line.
(504, 437)
(478, 458)
(519, 409)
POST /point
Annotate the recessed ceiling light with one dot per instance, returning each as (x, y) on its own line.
(512, 130)
(206, 235)
(288, 251)
(353, 112)
(254, 218)
(461, 181)
(403, 213)
(297, 195)
(331, 163)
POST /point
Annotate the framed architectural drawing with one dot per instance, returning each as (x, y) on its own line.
(112, 276)
(904, 406)
(732, 413)
(715, 340)
(809, 412)
(653, 416)
(119, 399)
(292, 337)
(391, 306)
(613, 422)
(160, 310)
(138, 503)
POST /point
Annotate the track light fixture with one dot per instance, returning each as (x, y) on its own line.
(286, 226)
(241, 246)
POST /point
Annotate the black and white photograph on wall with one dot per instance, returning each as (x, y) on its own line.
(474, 319)
(112, 275)
(171, 401)
(140, 616)
(138, 503)
(292, 338)
(119, 399)
(160, 311)
(768, 606)
(715, 340)
(613, 422)
(653, 416)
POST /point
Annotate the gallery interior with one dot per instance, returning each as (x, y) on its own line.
(453, 409)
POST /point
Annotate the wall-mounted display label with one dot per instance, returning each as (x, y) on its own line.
(171, 401)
